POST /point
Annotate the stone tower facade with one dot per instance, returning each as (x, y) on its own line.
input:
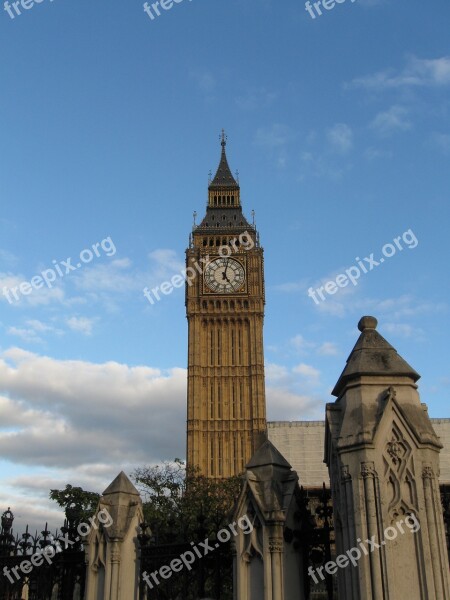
(383, 458)
(226, 406)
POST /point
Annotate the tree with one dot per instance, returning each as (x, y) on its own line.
(77, 503)
(182, 508)
(179, 501)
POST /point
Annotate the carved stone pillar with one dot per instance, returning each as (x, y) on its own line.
(378, 439)
(369, 476)
(276, 546)
(431, 509)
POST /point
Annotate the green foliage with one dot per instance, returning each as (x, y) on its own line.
(181, 504)
(82, 502)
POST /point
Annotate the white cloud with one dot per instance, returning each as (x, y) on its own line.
(95, 412)
(441, 141)
(417, 73)
(291, 286)
(405, 330)
(392, 120)
(308, 372)
(42, 296)
(375, 153)
(39, 325)
(275, 372)
(315, 165)
(285, 405)
(26, 334)
(390, 309)
(300, 343)
(32, 329)
(205, 80)
(328, 349)
(255, 98)
(68, 421)
(81, 324)
(8, 258)
(340, 136)
(275, 136)
(120, 278)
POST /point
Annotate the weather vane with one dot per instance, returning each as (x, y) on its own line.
(223, 138)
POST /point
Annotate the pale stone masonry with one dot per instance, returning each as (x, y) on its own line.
(112, 554)
(267, 564)
(302, 442)
(383, 458)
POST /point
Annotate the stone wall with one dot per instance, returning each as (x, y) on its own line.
(302, 444)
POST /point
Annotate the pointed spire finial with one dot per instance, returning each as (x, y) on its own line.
(223, 138)
(223, 177)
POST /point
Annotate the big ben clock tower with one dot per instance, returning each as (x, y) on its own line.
(226, 406)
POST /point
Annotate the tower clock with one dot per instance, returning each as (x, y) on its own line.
(226, 407)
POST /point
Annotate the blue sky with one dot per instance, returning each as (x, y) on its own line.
(110, 123)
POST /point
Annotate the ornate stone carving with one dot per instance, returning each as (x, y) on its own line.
(394, 449)
(427, 473)
(368, 470)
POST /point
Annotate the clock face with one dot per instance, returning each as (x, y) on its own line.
(224, 275)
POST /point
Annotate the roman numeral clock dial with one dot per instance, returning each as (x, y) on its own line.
(225, 276)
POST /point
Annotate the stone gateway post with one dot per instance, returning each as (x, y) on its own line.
(383, 458)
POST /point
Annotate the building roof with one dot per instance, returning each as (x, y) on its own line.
(267, 454)
(121, 484)
(373, 355)
(223, 176)
(223, 220)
